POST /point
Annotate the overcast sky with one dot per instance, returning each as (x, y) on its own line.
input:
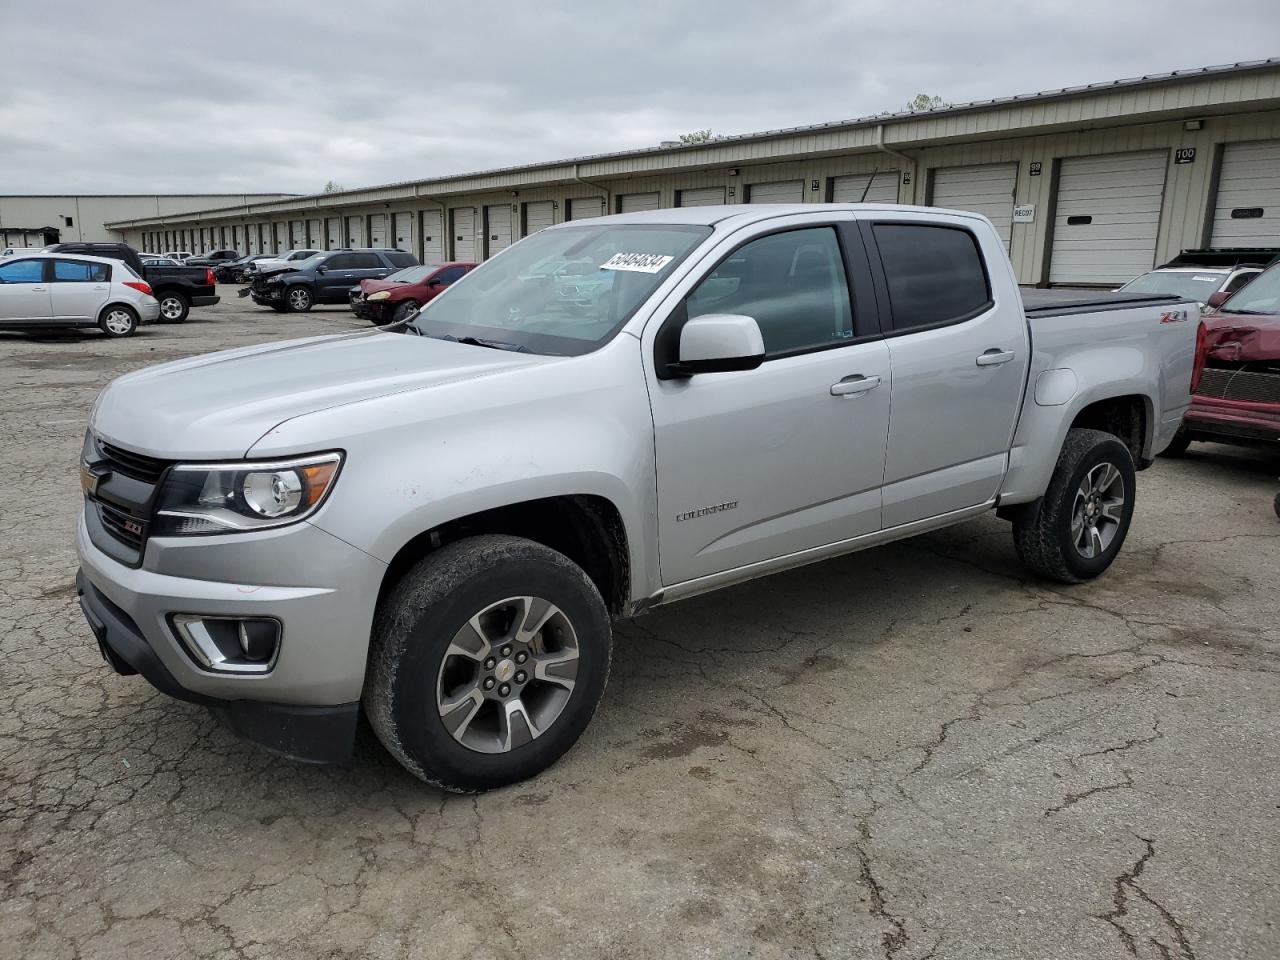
(244, 95)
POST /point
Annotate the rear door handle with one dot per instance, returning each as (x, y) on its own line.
(994, 357)
(853, 385)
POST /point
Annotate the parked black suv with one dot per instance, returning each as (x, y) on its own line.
(324, 278)
(213, 258)
(177, 288)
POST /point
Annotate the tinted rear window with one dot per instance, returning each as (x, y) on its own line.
(402, 259)
(935, 274)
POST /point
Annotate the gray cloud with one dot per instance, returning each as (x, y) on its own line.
(250, 96)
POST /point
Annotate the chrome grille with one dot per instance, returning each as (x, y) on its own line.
(136, 465)
(1239, 384)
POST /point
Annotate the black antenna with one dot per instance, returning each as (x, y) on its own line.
(867, 188)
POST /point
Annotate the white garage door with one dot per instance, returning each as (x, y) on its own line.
(787, 191)
(881, 187)
(378, 231)
(1247, 213)
(497, 228)
(298, 234)
(1104, 228)
(464, 233)
(402, 228)
(987, 189)
(700, 197)
(583, 208)
(314, 237)
(355, 231)
(333, 233)
(631, 202)
(538, 216)
(432, 237)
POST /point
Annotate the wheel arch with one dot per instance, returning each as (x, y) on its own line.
(586, 528)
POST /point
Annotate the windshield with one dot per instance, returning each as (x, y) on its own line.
(1192, 285)
(410, 275)
(1262, 295)
(311, 262)
(561, 292)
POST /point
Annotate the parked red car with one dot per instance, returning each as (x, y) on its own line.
(1236, 393)
(408, 289)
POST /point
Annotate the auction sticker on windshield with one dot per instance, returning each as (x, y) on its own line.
(637, 262)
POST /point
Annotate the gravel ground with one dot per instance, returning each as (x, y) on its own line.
(912, 752)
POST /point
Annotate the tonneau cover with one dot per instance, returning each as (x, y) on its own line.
(1046, 302)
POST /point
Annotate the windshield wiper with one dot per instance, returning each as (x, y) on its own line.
(491, 344)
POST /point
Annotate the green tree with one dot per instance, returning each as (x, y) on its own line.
(922, 102)
(332, 187)
(697, 136)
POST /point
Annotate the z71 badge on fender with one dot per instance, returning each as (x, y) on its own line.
(705, 511)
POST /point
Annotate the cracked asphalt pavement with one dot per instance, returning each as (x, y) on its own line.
(916, 751)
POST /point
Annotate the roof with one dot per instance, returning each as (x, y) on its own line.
(692, 151)
(745, 213)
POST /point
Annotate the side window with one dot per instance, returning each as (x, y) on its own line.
(364, 261)
(80, 271)
(449, 274)
(402, 259)
(935, 274)
(1238, 281)
(343, 261)
(793, 284)
(22, 271)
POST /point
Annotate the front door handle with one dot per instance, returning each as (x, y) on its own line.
(853, 385)
(994, 357)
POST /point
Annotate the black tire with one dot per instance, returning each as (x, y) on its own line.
(1277, 504)
(299, 299)
(414, 628)
(1044, 539)
(118, 320)
(1178, 445)
(174, 307)
(403, 309)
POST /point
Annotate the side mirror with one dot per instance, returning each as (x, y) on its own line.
(435, 282)
(1218, 299)
(322, 269)
(717, 343)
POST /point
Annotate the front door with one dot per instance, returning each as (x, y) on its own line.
(755, 465)
(24, 293)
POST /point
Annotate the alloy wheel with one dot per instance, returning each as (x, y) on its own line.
(507, 674)
(171, 308)
(118, 322)
(1098, 510)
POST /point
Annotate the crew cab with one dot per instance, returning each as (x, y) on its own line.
(437, 521)
(1236, 394)
(323, 278)
(177, 288)
(393, 299)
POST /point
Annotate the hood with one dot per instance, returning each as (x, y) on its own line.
(1243, 336)
(373, 286)
(271, 269)
(217, 406)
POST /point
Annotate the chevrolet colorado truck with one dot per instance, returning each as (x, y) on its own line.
(437, 520)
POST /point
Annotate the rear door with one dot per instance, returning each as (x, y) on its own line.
(759, 464)
(959, 355)
(339, 276)
(24, 291)
(80, 288)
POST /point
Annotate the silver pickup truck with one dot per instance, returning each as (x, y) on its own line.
(438, 519)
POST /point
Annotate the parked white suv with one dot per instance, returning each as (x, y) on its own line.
(43, 290)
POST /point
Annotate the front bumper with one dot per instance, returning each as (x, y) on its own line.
(1233, 421)
(306, 705)
(365, 310)
(265, 295)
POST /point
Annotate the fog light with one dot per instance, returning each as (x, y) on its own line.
(229, 644)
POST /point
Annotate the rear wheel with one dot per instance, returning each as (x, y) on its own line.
(118, 320)
(487, 662)
(299, 299)
(1083, 519)
(174, 307)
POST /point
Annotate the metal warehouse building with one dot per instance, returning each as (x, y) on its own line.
(31, 221)
(1088, 185)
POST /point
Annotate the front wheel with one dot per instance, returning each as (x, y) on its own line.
(1083, 519)
(403, 309)
(118, 321)
(299, 299)
(487, 661)
(174, 307)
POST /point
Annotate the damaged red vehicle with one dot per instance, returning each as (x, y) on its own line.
(403, 292)
(1236, 387)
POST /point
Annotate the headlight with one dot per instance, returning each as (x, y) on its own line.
(380, 295)
(206, 498)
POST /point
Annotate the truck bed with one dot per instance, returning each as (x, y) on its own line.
(1050, 302)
